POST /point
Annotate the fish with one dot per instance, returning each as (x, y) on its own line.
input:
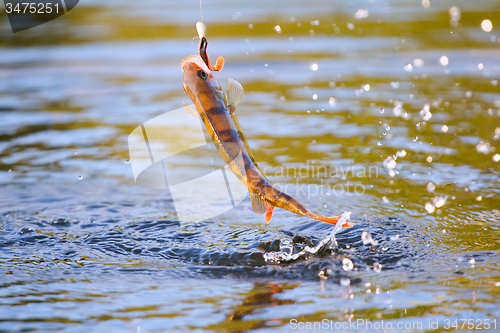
(216, 109)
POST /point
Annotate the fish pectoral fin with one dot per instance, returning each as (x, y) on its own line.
(258, 205)
(234, 93)
(191, 111)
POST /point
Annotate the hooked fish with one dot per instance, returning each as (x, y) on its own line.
(216, 109)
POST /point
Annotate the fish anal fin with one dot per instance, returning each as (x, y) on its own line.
(234, 93)
(258, 204)
(269, 213)
(191, 111)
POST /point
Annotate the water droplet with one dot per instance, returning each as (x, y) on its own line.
(486, 25)
(344, 282)
(496, 158)
(350, 26)
(315, 97)
(394, 237)
(425, 113)
(314, 23)
(429, 159)
(395, 84)
(347, 264)
(429, 207)
(389, 162)
(398, 110)
(366, 87)
(454, 16)
(479, 198)
(408, 68)
(401, 153)
(439, 202)
(377, 267)
(418, 62)
(484, 147)
(468, 94)
(250, 26)
(332, 101)
(80, 177)
(444, 128)
(385, 200)
(314, 67)
(361, 14)
(415, 139)
(382, 110)
(426, 3)
(379, 143)
(308, 111)
(480, 66)
(277, 28)
(443, 60)
(431, 187)
(494, 83)
(127, 161)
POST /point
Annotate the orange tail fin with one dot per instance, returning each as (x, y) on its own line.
(332, 220)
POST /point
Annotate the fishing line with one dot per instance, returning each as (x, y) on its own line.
(201, 12)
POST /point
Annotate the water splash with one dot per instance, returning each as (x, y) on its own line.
(347, 264)
(367, 238)
(286, 250)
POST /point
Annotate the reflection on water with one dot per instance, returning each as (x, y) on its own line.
(391, 110)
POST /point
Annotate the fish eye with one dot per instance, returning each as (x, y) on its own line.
(202, 74)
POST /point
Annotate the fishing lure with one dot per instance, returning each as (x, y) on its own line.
(216, 109)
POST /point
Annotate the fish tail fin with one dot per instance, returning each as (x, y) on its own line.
(332, 220)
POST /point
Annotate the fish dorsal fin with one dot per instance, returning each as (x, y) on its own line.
(234, 92)
(242, 137)
(191, 111)
(258, 205)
